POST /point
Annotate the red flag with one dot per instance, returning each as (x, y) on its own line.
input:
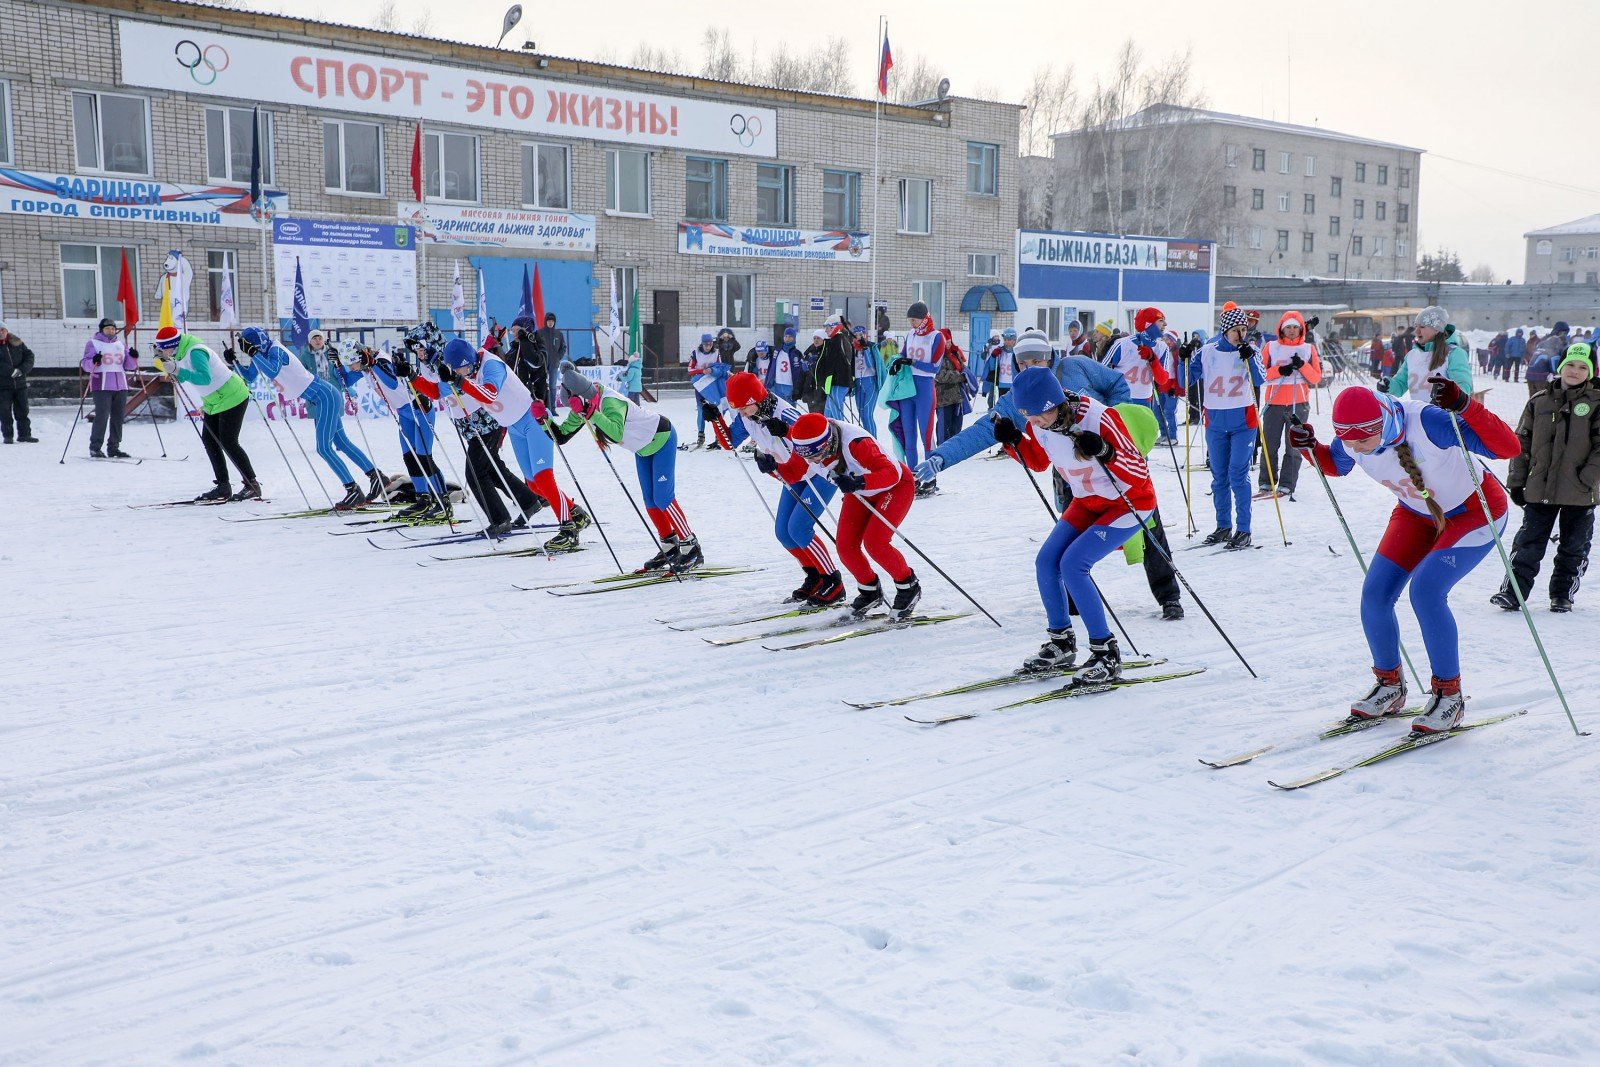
(538, 297)
(885, 62)
(416, 164)
(127, 296)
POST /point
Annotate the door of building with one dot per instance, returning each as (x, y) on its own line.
(854, 306)
(978, 338)
(666, 317)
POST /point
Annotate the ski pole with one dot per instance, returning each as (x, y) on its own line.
(289, 428)
(1189, 511)
(1338, 512)
(344, 386)
(1054, 518)
(1202, 604)
(466, 485)
(441, 495)
(262, 412)
(405, 447)
(1511, 577)
(896, 531)
(155, 420)
(598, 525)
(76, 418)
(1266, 459)
(605, 454)
(747, 475)
(1188, 470)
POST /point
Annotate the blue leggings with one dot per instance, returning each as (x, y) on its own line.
(533, 448)
(1167, 414)
(795, 527)
(833, 407)
(658, 474)
(1063, 563)
(913, 430)
(416, 439)
(327, 413)
(1230, 475)
(866, 400)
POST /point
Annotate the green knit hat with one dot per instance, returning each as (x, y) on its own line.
(1582, 354)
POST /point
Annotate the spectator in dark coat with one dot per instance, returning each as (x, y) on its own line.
(16, 363)
(554, 346)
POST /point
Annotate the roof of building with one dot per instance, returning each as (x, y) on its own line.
(1587, 224)
(1157, 114)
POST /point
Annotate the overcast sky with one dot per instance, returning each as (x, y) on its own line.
(1475, 84)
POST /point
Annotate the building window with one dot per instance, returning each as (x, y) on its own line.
(1311, 166)
(983, 169)
(352, 157)
(1383, 210)
(1101, 203)
(932, 294)
(1361, 172)
(89, 276)
(1308, 241)
(218, 262)
(5, 123)
(450, 162)
(1360, 209)
(774, 195)
(228, 145)
(1333, 225)
(1383, 174)
(1355, 245)
(983, 265)
(736, 300)
(1335, 187)
(1049, 320)
(1285, 160)
(625, 281)
(1230, 237)
(627, 182)
(1565, 277)
(1130, 199)
(916, 205)
(1258, 199)
(705, 189)
(1380, 246)
(1405, 177)
(1255, 237)
(1310, 204)
(1401, 248)
(1402, 212)
(841, 200)
(1230, 195)
(1283, 241)
(1230, 155)
(1333, 263)
(112, 132)
(1258, 159)
(1283, 201)
(546, 176)
(1131, 158)
(1568, 254)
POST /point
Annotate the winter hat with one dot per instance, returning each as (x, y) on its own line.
(1074, 325)
(1144, 318)
(1234, 317)
(1579, 353)
(1361, 411)
(1036, 391)
(917, 311)
(1228, 306)
(1561, 327)
(524, 322)
(1032, 346)
(790, 331)
(819, 335)
(860, 330)
(706, 338)
(1105, 328)
(1008, 332)
(166, 338)
(1433, 317)
(760, 346)
(4, 327)
(811, 436)
(459, 354)
(745, 388)
(103, 324)
(576, 384)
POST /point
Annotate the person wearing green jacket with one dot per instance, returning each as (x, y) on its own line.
(1437, 347)
(224, 398)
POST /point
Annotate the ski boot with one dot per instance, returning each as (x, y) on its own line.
(251, 490)
(94, 453)
(1171, 611)
(1504, 599)
(829, 590)
(1386, 697)
(1444, 708)
(1560, 605)
(117, 453)
(1238, 541)
(413, 509)
(906, 595)
(688, 556)
(434, 511)
(577, 515)
(927, 489)
(1059, 653)
(353, 497)
(1218, 536)
(802, 595)
(867, 597)
(565, 539)
(496, 530)
(660, 561)
(220, 493)
(1104, 664)
(375, 485)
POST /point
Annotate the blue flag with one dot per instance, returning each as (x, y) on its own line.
(255, 162)
(525, 309)
(300, 327)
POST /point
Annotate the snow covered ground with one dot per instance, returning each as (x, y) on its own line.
(272, 796)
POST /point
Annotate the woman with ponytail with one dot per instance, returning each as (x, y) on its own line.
(1437, 350)
(1437, 532)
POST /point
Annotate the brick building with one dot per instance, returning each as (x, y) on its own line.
(713, 201)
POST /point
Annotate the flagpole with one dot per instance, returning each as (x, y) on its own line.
(877, 113)
(422, 197)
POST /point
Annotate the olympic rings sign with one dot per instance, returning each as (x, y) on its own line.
(746, 127)
(191, 57)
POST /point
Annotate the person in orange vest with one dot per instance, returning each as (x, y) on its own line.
(1290, 369)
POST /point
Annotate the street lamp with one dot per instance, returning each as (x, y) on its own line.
(513, 16)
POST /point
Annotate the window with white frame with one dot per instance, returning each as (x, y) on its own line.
(1333, 263)
(546, 176)
(1310, 204)
(774, 194)
(1285, 161)
(1357, 246)
(1383, 174)
(220, 262)
(1308, 241)
(1283, 201)
(932, 294)
(983, 168)
(1230, 236)
(841, 200)
(627, 181)
(89, 276)
(111, 132)
(1283, 241)
(6, 155)
(983, 265)
(1049, 321)
(1380, 246)
(1383, 210)
(1311, 166)
(228, 144)
(1333, 225)
(705, 189)
(736, 300)
(1568, 255)
(1401, 248)
(916, 205)
(352, 157)
(450, 165)
(1230, 155)
(1360, 208)
(1255, 236)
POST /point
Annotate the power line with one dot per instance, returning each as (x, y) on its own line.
(1515, 174)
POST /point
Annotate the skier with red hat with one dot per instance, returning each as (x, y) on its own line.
(1437, 533)
(1143, 358)
(765, 419)
(878, 494)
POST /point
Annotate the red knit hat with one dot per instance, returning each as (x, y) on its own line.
(745, 388)
(1146, 317)
(1357, 414)
(812, 435)
(167, 338)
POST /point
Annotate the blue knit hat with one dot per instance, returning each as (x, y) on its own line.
(1036, 391)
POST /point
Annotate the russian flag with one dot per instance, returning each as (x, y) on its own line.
(885, 62)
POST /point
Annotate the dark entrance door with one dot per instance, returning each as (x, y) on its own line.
(666, 317)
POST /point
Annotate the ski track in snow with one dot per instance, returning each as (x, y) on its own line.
(272, 797)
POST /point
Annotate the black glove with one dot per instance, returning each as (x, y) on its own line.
(776, 427)
(847, 482)
(134, 352)
(710, 411)
(1290, 367)
(1381, 385)
(447, 373)
(1448, 395)
(1518, 495)
(229, 355)
(1090, 444)
(898, 364)
(1246, 352)
(766, 464)
(1301, 435)
(402, 368)
(1005, 431)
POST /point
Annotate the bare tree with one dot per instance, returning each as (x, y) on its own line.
(422, 25)
(719, 59)
(1483, 274)
(832, 68)
(387, 16)
(1051, 98)
(913, 80)
(664, 60)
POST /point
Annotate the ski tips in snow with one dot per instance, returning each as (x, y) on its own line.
(1410, 743)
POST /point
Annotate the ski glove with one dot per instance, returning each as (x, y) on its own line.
(766, 464)
(711, 412)
(1090, 445)
(898, 364)
(1147, 353)
(1381, 385)
(1006, 432)
(134, 352)
(928, 470)
(576, 404)
(402, 368)
(446, 372)
(1302, 436)
(1286, 369)
(847, 482)
(776, 427)
(539, 411)
(1448, 395)
(229, 356)
(1518, 495)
